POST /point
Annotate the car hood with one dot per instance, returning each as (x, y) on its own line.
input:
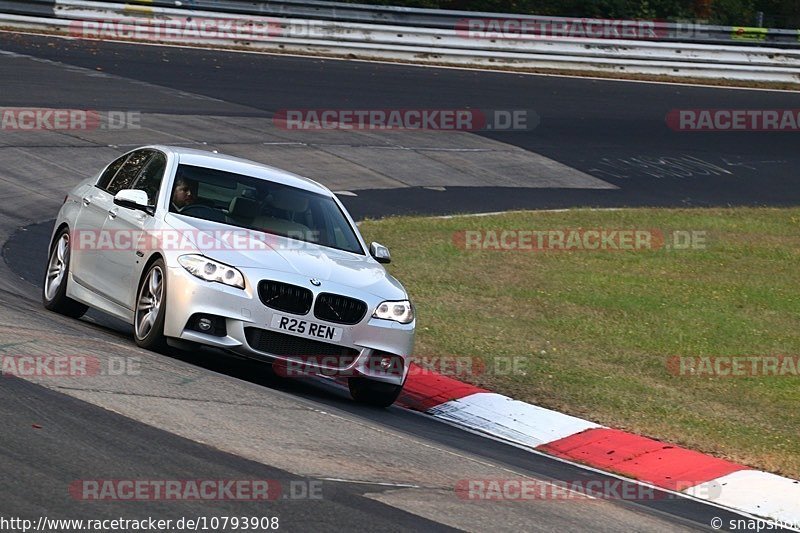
(249, 249)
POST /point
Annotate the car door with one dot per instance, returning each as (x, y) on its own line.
(116, 254)
(88, 225)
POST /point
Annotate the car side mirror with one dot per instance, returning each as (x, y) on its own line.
(133, 199)
(380, 253)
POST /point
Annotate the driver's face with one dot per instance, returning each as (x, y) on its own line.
(182, 195)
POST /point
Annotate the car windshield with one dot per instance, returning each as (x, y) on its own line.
(261, 205)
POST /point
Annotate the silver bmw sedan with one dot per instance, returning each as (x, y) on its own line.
(197, 248)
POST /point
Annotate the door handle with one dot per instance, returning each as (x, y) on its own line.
(87, 201)
(112, 214)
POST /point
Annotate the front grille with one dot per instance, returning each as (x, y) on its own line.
(339, 309)
(285, 297)
(291, 346)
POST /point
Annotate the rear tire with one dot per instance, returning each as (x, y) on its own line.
(56, 277)
(374, 393)
(151, 308)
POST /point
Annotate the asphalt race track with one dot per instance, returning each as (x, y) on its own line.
(598, 127)
(211, 416)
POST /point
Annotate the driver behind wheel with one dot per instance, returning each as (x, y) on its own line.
(183, 193)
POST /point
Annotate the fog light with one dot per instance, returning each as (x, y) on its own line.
(385, 364)
(207, 324)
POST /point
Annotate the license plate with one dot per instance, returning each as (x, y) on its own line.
(306, 328)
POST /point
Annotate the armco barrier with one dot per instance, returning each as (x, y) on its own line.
(449, 19)
(39, 8)
(450, 46)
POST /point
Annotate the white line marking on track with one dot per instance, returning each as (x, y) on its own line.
(379, 483)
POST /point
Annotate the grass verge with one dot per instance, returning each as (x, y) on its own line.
(593, 331)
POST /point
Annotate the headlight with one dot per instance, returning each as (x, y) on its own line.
(205, 268)
(401, 311)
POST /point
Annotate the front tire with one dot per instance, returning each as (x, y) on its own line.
(374, 393)
(54, 287)
(151, 308)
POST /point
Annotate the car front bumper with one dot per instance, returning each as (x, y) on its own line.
(242, 309)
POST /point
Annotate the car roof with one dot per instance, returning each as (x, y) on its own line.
(204, 158)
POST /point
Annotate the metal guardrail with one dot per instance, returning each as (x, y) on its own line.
(39, 8)
(450, 46)
(447, 19)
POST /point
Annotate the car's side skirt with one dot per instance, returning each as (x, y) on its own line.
(85, 295)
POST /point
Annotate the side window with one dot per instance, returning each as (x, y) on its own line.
(129, 171)
(150, 178)
(110, 172)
